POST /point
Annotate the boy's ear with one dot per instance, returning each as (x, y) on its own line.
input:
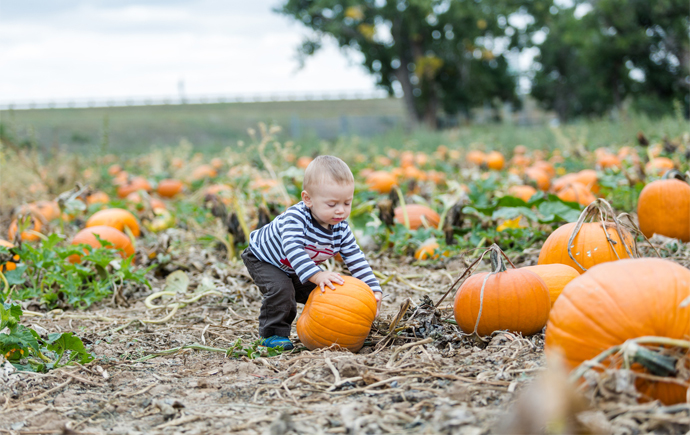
(306, 198)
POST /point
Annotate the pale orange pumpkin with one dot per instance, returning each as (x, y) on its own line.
(576, 192)
(170, 188)
(555, 276)
(476, 157)
(381, 181)
(87, 236)
(540, 178)
(202, 172)
(117, 218)
(342, 316)
(135, 184)
(522, 192)
(415, 213)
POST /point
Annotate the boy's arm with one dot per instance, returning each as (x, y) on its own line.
(292, 240)
(356, 262)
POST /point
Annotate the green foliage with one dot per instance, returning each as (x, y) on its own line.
(253, 350)
(441, 53)
(27, 350)
(589, 64)
(45, 273)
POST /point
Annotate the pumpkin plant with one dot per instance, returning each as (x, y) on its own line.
(342, 316)
(582, 245)
(664, 207)
(516, 300)
(628, 300)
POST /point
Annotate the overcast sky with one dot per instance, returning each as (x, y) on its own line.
(120, 48)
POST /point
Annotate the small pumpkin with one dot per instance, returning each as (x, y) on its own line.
(476, 157)
(98, 197)
(659, 166)
(516, 300)
(495, 160)
(537, 176)
(117, 218)
(9, 265)
(607, 160)
(381, 181)
(342, 316)
(546, 167)
(664, 207)
(522, 192)
(576, 192)
(428, 250)
(170, 188)
(87, 236)
(615, 302)
(203, 171)
(415, 214)
(135, 184)
(555, 276)
(35, 225)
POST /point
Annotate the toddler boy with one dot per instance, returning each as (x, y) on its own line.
(283, 256)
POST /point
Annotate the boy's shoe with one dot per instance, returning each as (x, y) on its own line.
(275, 341)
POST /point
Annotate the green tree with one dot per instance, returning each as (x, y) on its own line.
(447, 55)
(591, 63)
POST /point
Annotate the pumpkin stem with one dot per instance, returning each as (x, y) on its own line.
(497, 263)
(676, 174)
(601, 207)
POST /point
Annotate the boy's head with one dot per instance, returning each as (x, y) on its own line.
(328, 189)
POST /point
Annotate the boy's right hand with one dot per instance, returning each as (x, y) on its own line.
(324, 278)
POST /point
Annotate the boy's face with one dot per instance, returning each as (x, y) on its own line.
(330, 203)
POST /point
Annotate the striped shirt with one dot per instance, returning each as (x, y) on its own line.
(297, 244)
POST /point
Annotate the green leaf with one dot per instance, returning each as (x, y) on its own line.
(21, 338)
(60, 343)
(16, 276)
(9, 315)
(514, 212)
(177, 281)
(557, 211)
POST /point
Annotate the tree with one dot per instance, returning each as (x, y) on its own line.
(591, 63)
(442, 54)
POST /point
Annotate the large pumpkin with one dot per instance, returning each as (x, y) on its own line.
(590, 246)
(615, 302)
(516, 300)
(87, 236)
(115, 217)
(342, 316)
(555, 276)
(664, 208)
(415, 213)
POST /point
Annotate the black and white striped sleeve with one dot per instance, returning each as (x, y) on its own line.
(292, 229)
(356, 262)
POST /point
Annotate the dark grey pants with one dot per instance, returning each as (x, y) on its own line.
(281, 292)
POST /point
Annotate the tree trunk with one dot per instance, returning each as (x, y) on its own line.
(408, 97)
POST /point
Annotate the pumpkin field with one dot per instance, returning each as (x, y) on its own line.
(527, 288)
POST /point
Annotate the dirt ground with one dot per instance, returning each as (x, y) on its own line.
(428, 379)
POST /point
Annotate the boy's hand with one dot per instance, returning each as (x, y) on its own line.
(378, 296)
(324, 278)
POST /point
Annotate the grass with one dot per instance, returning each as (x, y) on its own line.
(211, 128)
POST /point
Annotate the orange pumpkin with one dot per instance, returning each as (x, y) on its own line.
(203, 171)
(476, 157)
(589, 178)
(136, 183)
(10, 265)
(217, 162)
(516, 300)
(540, 178)
(428, 251)
(381, 181)
(170, 188)
(576, 192)
(87, 236)
(303, 162)
(608, 161)
(117, 218)
(546, 167)
(342, 316)
(520, 150)
(114, 169)
(522, 192)
(619, 301)
(495, 161)
(664, 208)
(590, 246)
(520, 161)
(415, 213)
(406, 159)
(555, 276)
(26, 236)
(659, 166)
(98, 197)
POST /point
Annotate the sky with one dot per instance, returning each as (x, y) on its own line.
(78, 49)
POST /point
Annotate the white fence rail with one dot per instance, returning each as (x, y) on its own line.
(192, 99)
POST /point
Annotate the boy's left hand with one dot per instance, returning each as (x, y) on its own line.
(378, 296)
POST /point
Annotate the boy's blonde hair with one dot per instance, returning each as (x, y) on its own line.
(327, 168)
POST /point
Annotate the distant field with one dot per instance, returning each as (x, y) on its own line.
(213, 127)
(208, 126)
